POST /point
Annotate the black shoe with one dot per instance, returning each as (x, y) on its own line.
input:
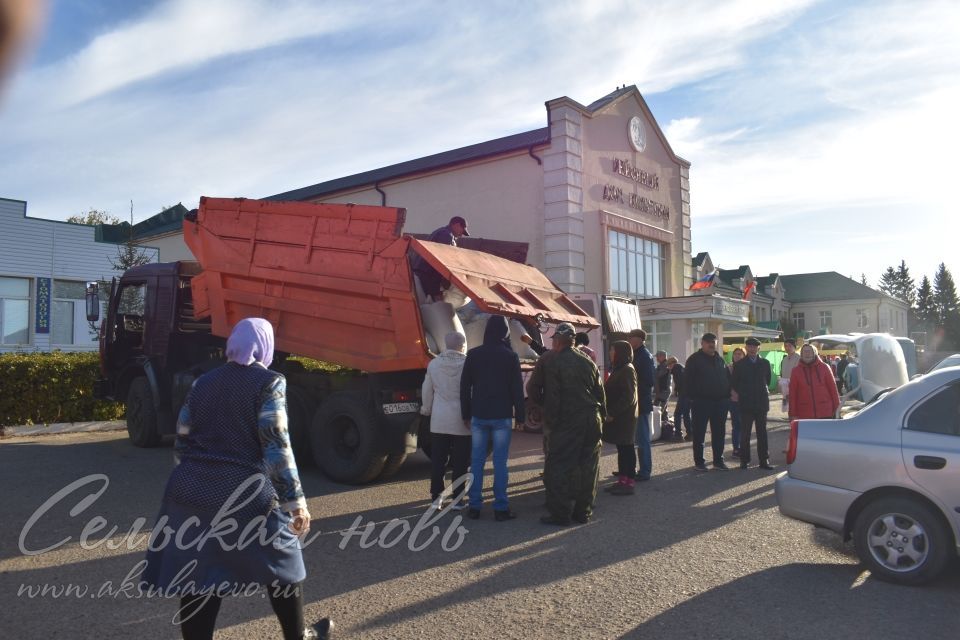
(766, 466)
(688, 438)
(556, 521)
(743, 465)
(720, 464)
(701, 466)
(473, 514)
(581, 518)
(500, 516)
(320, 631)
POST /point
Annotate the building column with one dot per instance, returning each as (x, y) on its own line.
(563, 245)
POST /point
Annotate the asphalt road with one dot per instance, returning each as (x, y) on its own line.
(692, 555)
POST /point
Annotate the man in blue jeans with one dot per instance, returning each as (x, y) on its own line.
(491, 397)
(643, 363)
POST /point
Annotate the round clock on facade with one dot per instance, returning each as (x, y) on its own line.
(637, 133)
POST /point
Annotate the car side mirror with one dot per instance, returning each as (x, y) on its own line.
(93, 301)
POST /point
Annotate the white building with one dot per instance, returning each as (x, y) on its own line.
(44, 267)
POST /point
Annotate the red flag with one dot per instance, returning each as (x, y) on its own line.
(747, 290)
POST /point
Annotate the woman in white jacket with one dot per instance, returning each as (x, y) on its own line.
(450, 435)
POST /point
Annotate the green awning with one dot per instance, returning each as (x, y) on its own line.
(743, 330)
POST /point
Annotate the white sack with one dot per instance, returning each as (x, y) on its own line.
(439, 319)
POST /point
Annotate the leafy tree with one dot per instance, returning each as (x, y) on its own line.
(93, 217)
(924, 302)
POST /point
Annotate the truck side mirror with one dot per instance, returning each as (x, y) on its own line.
(93, 301)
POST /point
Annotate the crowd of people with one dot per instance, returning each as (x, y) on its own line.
(581, 410)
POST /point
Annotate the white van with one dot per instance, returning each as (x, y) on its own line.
(878, 357)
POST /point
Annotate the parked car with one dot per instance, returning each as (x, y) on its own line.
(888, 477)
(949, 361)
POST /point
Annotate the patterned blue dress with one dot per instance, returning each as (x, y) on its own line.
(223, 523)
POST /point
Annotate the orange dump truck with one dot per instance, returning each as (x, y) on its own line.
(335, 281)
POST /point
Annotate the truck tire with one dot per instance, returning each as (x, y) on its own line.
(141, 415)
(343, 439)
(300, 410)
(392, 465)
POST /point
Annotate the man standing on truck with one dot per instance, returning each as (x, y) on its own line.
(491, 397)
(431, 281)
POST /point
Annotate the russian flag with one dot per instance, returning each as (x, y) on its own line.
(704, 282)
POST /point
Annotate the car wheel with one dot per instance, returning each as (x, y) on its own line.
(343, 439)
(901, 540)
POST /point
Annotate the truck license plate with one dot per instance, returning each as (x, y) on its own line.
(401, 407)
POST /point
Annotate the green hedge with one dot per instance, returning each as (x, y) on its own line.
(43, 388)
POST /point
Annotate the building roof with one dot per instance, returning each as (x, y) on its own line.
(827, 285)
(699, 258)
(167, 221)
(508, 144)
(727, 276)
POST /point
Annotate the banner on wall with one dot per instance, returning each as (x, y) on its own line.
(42, 324)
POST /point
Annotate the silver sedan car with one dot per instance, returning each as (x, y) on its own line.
(887, 476)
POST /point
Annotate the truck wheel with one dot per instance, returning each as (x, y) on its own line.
(300, 410)
(901, 541)
(343, 440)
(141, 415)
(393, 464)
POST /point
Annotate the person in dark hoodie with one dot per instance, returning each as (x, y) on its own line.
(621, 421)
(707, 384)
(643, 363)
(491, 397)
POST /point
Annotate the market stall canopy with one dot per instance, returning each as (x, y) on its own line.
(741, 330)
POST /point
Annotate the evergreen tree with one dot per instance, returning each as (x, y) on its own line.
(906, 287)
(926, 312)
(945, 300)
(947, 306)
(863, 280)
(888, 282)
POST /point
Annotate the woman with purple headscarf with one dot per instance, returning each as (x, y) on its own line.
(233, 509)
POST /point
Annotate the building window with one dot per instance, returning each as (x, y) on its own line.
(798, 321)
(826, 320)
(14, 311)
(659, 336)
(65, 296)
(636, 266)
(863, 320)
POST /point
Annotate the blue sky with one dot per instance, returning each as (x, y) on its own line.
(822, 135)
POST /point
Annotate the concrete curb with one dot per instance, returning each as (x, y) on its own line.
(62, 427)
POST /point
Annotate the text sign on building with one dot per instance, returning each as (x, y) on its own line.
(731, 308)
(613, 193)
(42, 324)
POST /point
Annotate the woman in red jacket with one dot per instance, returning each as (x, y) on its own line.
(813, 392)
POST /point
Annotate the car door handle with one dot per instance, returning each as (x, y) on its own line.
(929, 462)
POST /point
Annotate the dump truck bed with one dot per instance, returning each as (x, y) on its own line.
(335, 280)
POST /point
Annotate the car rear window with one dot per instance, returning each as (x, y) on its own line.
(939, 413)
